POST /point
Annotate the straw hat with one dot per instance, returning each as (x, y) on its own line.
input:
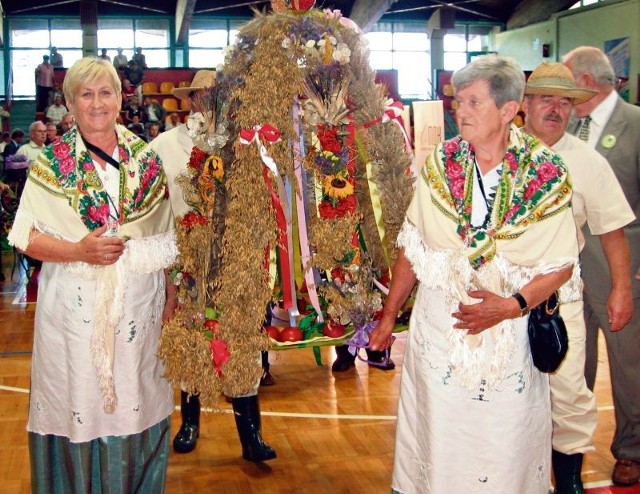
(202, 80)
(555, 79)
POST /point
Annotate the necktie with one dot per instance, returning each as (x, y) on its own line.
(583, 134)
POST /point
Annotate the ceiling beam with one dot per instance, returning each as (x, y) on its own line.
(365, 13)
(184, 12)
(532, 11)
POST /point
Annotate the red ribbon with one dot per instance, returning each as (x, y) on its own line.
(267, 132)
(283, 242)
(391, 112)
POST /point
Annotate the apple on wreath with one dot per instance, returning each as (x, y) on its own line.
(211, 325)
(291, 333)
(333, 330)
(273, 332)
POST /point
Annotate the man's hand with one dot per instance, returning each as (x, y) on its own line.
(619, 309)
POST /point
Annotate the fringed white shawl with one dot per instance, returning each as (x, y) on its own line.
(55, 204)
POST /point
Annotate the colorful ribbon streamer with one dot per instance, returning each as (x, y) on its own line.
(271, 134)
(305, 250)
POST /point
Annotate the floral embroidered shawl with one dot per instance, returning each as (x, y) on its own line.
(530, 231)
(65, 198)
(66, 175)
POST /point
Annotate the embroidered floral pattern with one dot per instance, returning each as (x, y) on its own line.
(68, 169)
(533, 184)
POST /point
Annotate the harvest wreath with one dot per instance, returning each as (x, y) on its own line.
(299, 181)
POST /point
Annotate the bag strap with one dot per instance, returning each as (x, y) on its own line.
(99, 152)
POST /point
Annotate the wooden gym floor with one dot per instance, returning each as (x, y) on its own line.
(334, 434)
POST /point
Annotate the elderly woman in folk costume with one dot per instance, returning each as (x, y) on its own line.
(489, 233)
(95, 210)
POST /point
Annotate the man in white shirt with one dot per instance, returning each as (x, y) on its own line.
(598, 201)
(613, 129)
(37, 136)
(174, 148)
(57, 111)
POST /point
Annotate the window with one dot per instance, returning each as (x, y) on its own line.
(207, 39)
(404, 47)
(462, 40)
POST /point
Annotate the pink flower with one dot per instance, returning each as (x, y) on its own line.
(457, 188)
(511, 160)
(61, 151)
(454, 170)
(99, 214)
(450, 147)
(219, 354)
(532, 188)
(67, 165)
(87, 166)
(511, 212)
(547, 171)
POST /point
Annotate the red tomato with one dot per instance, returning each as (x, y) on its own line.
(211, 325)
(291, 333)
(333, 330)
(273, 332)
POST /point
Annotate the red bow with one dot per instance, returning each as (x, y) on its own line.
(393, 112)
(266, 131)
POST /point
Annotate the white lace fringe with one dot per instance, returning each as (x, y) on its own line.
(449, 271)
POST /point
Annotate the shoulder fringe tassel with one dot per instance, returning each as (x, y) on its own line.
(449, 271)
(141, 256)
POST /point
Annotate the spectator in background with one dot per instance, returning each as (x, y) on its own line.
(135, 73)
(173, 122)
(154, 111)
(37, 137)
(153, 131)
(104, 56)
(66, 123)
(44, 83)
(140, 59)
(52, 133)
(12, 146)
(134, 109)
(120, 61)
(127, 91)
(56, 111)
(54, 93)
(16, 160)
(6, 139)
(138, 129)
(56, 58)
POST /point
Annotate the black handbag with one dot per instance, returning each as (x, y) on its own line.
(548, 337)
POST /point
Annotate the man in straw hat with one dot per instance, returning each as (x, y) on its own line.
(550, 94)
(614, 132)
(174, 148)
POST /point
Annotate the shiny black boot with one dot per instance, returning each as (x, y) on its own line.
(344, 360)
(566, 470)
(247, 414)
(187, 436)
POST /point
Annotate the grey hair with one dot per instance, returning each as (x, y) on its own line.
(35, 124)
(591, 60)
(504, 75)
(89, 69)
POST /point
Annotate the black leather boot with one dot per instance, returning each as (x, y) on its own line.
(187, 436)
(247, 414)
(566, 470)
(344, 360)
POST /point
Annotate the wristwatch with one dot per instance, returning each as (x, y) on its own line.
(524, 306)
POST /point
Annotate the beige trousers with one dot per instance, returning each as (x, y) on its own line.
(573, 406)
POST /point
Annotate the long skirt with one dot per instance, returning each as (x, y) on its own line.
(136, 463)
